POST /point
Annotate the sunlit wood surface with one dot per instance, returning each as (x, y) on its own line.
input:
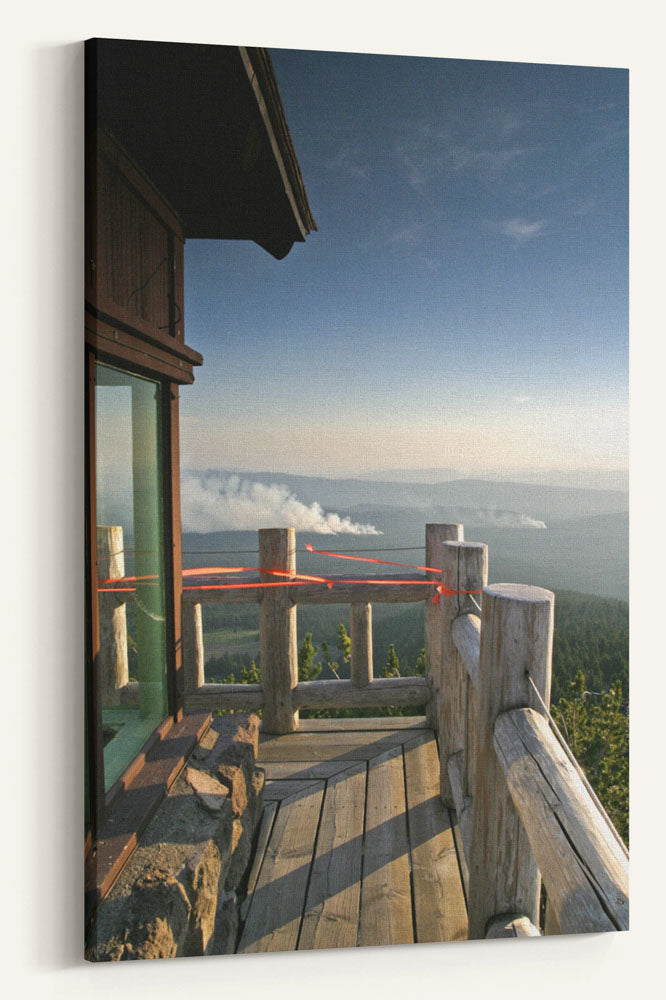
(355, 846)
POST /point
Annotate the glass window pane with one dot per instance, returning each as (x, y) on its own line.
(130, 550)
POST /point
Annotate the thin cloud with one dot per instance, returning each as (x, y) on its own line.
(410, 236)
(487, 144)
(521, 230)
(521, 399)
(346, 161)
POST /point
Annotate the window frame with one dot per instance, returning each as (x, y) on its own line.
(100, 802)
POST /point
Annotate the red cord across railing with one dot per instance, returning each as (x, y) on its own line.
(294, 579)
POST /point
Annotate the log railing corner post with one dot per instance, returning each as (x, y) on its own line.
(435, 536)
(277, 632)
(516, 645)
(464, 568)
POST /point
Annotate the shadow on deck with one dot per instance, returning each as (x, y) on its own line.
(355, 846)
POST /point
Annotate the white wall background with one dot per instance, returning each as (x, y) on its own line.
(42, 434)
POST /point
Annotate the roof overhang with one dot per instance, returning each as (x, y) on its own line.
(206, 123)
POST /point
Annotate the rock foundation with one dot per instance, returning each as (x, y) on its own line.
(177, 894)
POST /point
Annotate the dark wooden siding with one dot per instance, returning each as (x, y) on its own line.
(134, 251)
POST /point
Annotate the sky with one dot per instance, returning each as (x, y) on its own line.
(464, 303)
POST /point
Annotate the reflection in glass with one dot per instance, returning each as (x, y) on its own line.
(131, 666)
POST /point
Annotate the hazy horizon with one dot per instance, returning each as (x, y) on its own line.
(585, 479)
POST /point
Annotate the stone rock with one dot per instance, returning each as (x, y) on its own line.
(150, 922)
(205, 744)
(211, 792)
(176, 894)
(241, 840)
(234, 778)
(164, 901)
(257, 799)
(229, 731)
(223, 941)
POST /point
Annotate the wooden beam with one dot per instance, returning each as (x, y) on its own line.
(466, 632)
(464, 567)
(93, 721)
(386, 904)
(331, 917)
(435, 535)
(463, 803)
(343, 694)
(215, 696)
(583, 866)
(173, 555)
(385, 591)
(516, 644)
(278, 900)
(388, 590)
(360, 619)
(384, 722)
(439, 903)
(277, 632)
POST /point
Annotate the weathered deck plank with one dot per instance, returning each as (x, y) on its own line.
(439, 903)
(386, 905)
(302, 769)
(267, 818)
(332, 908)
(369, 797)
(329, 746)
(386, 723)
(275, 791)
(275, 912)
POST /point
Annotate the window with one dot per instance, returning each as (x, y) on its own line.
(132, 661)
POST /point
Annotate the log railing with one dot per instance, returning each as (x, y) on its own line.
(280, 694)
(525, 810)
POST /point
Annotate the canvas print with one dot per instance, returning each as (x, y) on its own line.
(356, 500)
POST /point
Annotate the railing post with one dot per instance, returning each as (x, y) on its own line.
(113, 665)
(193, 646)
(360, 627)
(464, 567)
(277, 632)
(516, 644)
(435, 535)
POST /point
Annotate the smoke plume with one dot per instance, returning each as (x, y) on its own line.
(229, 503)
(503, 519)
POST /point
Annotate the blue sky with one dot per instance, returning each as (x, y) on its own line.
(464, 303)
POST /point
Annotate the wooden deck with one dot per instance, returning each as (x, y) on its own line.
(355, 846)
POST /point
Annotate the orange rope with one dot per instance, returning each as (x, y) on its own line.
(383, 562)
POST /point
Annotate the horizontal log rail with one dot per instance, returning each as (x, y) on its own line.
(396, 589)
(466, 633)
(237, 697)
(314, 694)
(343, 694)
(583, 866)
